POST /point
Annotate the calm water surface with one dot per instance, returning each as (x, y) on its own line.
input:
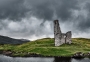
(40, 59)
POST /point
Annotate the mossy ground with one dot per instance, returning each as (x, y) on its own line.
(46, 47)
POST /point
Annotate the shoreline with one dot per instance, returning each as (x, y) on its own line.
(11, 54)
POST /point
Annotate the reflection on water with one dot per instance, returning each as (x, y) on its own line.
(41, 59)
(20, 59)
(58, 59)
(81, 60)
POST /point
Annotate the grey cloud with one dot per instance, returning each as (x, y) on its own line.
(61, 8)
(83, 21)
(42, 9)
(12, 9)
(35, 17)
(64, 10)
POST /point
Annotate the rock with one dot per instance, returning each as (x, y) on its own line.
(7, 52)
(87, 54)
(78, 54)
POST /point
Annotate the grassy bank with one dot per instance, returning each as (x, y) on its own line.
(46, 47)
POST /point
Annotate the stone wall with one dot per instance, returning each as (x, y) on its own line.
(59, 37)
(57, 33)
(68, 37)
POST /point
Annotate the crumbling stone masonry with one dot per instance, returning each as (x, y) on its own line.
(61, 38)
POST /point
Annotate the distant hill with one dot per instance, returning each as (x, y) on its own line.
(8, 40)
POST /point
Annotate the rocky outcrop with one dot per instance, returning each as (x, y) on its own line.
(80, 54)
(8, 53)
(61, 38)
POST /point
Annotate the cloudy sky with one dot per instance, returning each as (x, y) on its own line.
(33, 19)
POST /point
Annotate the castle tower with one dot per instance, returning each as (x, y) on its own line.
(59, 37)
(57, 33)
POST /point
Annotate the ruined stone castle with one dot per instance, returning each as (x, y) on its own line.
(61, 38)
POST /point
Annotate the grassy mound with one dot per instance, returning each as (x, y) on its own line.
(46, 47)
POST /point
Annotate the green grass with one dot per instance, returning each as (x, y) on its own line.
(46, 47)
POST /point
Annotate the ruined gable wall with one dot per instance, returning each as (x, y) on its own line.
(57, 33)
(59, 37)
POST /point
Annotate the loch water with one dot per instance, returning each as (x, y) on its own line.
(41, 59)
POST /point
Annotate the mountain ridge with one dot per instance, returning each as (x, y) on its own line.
(9, 40)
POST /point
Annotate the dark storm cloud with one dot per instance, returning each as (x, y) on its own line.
(43, 9)
(64, 10)
(84, 26)
(83, 20)
(24, 18)
(12, 9)
(61, 8)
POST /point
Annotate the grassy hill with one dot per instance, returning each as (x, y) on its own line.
(46, 47)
